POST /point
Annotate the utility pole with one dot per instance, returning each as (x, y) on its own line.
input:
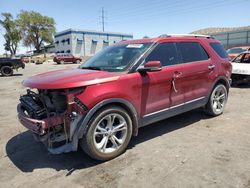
(103, 19)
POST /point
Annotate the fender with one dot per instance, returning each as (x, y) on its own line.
(83, 123)
(220, 78)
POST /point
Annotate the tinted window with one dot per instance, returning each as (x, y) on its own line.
(191, 51)
(219, 49)
(165, 53)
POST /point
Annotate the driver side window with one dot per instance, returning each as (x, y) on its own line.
(238, 58)
(166, 53)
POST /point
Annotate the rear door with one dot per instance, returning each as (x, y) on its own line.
(196, 70)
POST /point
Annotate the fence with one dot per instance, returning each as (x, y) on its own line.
(233, 38)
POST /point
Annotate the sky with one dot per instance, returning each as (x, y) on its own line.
(140, 18)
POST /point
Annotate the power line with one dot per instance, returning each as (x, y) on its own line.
(172, 12)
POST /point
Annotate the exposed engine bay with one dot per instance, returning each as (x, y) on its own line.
(53, 116)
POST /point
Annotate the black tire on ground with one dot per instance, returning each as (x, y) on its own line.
(217, 101)
(88, 142)
(6, 71)
(78, 61)
(61, 62)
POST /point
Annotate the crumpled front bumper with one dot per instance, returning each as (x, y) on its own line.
(37, 126)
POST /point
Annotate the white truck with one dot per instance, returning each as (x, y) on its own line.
(241, 68)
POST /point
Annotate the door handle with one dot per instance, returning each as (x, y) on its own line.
(177, 74)
(211, 67)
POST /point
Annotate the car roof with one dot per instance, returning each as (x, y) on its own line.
(164, 38)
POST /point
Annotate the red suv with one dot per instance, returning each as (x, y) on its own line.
(101, 104)
(65, 58)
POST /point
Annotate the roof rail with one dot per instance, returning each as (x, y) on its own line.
(184, 35)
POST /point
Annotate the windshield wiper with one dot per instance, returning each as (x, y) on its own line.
(91, 68)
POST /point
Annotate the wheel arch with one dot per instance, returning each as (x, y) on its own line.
(220, 80)
(6, 64)
(83, 124)
(224, 81)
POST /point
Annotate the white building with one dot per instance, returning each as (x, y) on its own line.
(86, 42)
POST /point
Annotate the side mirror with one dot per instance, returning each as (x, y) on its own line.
(151, 66)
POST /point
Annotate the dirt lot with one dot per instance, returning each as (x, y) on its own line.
(190, 150)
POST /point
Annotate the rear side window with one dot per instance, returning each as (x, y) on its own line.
(191, 51)
(219, 49)
(165, 53)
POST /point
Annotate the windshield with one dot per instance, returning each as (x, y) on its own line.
(235, 50)
(116, 58)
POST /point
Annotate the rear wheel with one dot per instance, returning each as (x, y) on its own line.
(217, 101)
(6, 71)
(78, 61)
(108, 134)
(61, 62)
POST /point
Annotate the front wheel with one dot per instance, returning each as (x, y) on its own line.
(108, 134)
(217, 100)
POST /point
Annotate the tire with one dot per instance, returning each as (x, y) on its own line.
(217, 101)
(61, 62)
(78, 61)
(104, 141)
(6, 71)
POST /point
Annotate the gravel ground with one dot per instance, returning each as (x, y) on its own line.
(189, 150)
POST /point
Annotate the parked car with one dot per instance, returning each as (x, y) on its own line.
(8, 64)
(38, 58)
(241, 68)
(25, 59)
(66, 58)
(101, 104)
(233, 52)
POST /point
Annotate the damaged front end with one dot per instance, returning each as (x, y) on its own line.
(53, 116)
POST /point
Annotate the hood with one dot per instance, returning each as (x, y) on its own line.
(69, 78)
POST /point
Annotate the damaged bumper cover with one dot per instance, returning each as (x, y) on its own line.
(37, 126)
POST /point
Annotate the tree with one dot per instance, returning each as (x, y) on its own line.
(36, 28)
(12, 34)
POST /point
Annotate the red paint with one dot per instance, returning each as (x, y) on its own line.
(147, 92)
(69, 78)
(153, 64)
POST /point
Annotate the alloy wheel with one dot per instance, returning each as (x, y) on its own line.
(110, 133)
(219, 98)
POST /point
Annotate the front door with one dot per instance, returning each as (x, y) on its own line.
(157, 86)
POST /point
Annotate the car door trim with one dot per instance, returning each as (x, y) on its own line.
(173, 110)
